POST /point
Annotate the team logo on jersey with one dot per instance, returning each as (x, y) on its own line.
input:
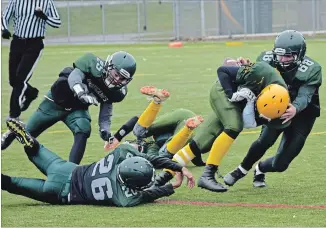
(97, 90)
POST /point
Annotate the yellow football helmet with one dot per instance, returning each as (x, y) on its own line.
(273, 101)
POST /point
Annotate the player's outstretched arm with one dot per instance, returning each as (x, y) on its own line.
(124, 130)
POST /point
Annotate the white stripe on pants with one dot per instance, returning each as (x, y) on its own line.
(29, 75)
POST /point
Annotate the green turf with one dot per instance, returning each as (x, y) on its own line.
(188, 73)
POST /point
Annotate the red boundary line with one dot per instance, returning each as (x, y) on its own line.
(257, 205)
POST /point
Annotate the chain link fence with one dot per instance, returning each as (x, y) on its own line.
(112, 21)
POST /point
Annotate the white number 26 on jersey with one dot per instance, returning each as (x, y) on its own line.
(98, 184)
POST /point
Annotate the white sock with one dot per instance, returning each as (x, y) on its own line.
(242, 170)
(258, 172)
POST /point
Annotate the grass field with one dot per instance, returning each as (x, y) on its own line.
(188, 73)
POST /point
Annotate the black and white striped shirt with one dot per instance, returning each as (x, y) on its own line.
(26, 24)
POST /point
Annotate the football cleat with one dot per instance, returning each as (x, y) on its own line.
(259, 180)
(158, 95)
(6, 139)
(17, 127)
(194, 122)
(208, 181)
(231, 178)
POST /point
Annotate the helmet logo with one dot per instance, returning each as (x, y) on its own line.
(124, 73)
(279, 51)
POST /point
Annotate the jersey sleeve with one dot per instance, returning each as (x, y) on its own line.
(149, 195)
(266, 56)
(163, 162)
(226, 76)
(307, 90)
(89, 64)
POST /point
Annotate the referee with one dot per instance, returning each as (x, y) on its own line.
(30, 18)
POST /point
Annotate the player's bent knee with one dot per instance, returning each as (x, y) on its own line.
(82, 125)
(279, 166)
(232, 133)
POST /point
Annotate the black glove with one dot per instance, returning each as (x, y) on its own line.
(40, 14)
(87, 99)
(106, 136)
(5, 34)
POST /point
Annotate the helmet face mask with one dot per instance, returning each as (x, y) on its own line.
(289, 50)
(136, 173)
(118, 70)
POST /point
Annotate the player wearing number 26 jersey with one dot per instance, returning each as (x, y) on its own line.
(124, 177)
(303, 76)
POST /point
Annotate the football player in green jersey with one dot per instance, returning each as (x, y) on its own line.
(122, 178)
(303, 76)
(91, 81)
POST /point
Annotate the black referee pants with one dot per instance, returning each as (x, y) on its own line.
(23, 57)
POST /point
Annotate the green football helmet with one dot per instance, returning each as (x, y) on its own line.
(119, 69)
(136, 173)
(289, 50)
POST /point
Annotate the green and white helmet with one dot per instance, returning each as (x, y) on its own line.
(136, 173)
(289, 50)
(119, 69)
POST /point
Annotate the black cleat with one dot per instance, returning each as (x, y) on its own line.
(208, 181)
(162, 178)
(28, 100)
(17, 127)
(6, 139)
(198, 161)
(259, 180)
(231, 178)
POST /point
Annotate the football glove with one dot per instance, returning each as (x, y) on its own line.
(83, 96)
(106, 135)
(87, 99)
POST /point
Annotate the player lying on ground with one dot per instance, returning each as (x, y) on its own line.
(303, 75)
(164, 135)
(122, 178)
(91, 81)
(235, 91)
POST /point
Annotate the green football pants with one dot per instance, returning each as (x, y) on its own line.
(225, 116)
(164, 127)
(48, 113)
(170, 123)
(52, 190)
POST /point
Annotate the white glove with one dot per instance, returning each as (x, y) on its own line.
(87, 99)
(243, 93)
(84, 96)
